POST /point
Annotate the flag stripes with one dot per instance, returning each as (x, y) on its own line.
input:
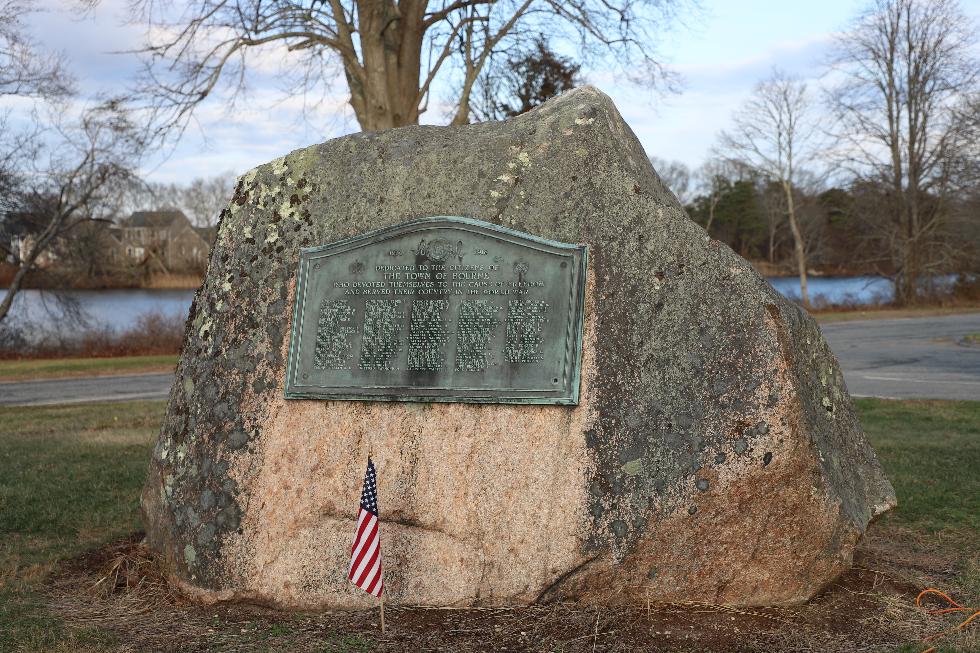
(365, 551)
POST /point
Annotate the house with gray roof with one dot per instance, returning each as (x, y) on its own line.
(165, 238)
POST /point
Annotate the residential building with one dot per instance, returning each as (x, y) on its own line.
(166, 238)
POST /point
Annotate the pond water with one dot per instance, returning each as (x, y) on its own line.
(837, 290)
(119, 309)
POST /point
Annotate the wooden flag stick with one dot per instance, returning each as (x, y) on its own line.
(382, 613)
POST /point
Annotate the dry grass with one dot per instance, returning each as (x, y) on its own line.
(120, 592)
(175, 281)
(32, 369)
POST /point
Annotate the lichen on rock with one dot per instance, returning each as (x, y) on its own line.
(715, 454)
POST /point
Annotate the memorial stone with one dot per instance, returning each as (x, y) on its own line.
(693, 441)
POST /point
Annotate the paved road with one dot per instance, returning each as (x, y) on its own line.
(916, 358)
(85, 389)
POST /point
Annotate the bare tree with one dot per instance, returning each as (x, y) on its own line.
(773, 202)
(775, 133)
(142, 195)
(906, 67)
(73, 178)
(24, 70)
(204, 198)
(89, 252)
(393, 54)
(60, 169)
(676, 175)
(707, 181)
(201, 199)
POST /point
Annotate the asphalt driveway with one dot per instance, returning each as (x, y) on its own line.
(86, 389)
(912, 358)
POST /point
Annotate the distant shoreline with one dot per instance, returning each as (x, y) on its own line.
(136, 279)
(51, 279)
(128, 280)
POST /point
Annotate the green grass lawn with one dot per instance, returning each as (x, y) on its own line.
(49, 368)
(931, 454)
(70, 478)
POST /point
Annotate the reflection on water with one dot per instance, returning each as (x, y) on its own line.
(118, 309)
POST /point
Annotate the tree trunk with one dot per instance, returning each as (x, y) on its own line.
(797, 243)
(910, 274)
(41, 244)
(462, 116)
(711, 213)
(13, 289)
(772, 238)
(384, 88)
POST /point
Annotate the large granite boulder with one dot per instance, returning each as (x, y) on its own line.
(715, 454)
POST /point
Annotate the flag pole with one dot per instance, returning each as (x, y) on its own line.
(382, 597)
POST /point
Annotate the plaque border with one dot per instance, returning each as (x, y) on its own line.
(575, 329)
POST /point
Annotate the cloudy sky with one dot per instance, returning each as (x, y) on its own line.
(720, 55)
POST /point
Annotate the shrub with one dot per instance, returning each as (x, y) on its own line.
(153, 333)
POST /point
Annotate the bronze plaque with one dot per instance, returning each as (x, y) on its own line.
(439, 309)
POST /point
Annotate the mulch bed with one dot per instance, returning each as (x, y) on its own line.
(118, 589)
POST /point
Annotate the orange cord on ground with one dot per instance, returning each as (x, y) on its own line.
(956, 608)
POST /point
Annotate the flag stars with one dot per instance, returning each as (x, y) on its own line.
(369, 492)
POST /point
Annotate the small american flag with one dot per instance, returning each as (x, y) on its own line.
(365, 552)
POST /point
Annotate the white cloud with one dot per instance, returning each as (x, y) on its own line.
(684, 127)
